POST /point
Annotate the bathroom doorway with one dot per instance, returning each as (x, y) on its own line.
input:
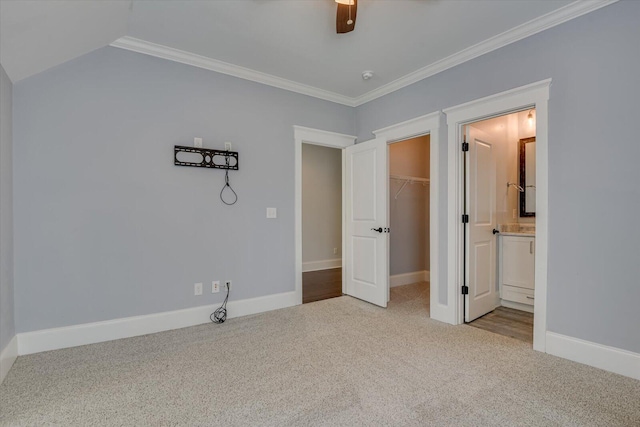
(409, 219)
(499, 188)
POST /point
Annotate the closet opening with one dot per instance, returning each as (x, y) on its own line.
(321, 222)
(409, 211)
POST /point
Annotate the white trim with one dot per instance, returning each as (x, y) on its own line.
(323, 137)
(327, 139)
(324, 264)
(8, 355)
(188, 58)
(534, 95)
(501, 101)
(610, 359)
(409, 128)
(536, 25)
(408, 278)
(90, 333)
(427, 124)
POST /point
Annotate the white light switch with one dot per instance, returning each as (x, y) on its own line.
(272, 213)
(197, 142)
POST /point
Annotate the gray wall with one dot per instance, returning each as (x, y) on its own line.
(7, 325)
(321, 203)
(594, 196)
(409, 213)
(107, 227)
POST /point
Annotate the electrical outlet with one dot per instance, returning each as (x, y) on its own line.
(227, 146)
(215, 286)
(197, 142)
(197, 289)
(335, 251)
(227, 284)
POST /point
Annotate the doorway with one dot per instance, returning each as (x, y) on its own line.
(365, 176)
(303, 135)
(409, 212)
(499, 172)
(535, 95)
(321, 222)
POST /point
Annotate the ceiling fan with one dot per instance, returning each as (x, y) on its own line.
(346, 15)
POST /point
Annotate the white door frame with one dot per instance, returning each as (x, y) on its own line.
(327, 139)
(535, 95)
(427, 124)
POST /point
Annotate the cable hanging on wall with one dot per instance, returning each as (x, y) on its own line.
(227, 185)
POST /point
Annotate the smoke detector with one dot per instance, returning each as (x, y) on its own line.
(367, 75)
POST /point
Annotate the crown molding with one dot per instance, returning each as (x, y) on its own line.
(544, 22)
(188, 58)
(537, 25)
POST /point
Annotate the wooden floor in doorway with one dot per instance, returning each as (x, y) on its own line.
(322, 284)
(512, 323)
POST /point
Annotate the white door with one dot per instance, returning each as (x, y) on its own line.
(481, 208)
(366, 260)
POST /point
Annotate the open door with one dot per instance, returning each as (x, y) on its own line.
(480, 243)
(366, 260)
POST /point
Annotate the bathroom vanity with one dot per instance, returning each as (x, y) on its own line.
(517, 269)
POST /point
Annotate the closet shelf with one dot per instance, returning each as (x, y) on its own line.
(408, 180)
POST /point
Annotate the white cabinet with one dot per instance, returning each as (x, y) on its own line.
(517, 269)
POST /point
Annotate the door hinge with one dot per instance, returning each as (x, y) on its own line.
(465, 290)
(465, 146)
(465, 219)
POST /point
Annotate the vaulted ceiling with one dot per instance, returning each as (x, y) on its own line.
(287, 43)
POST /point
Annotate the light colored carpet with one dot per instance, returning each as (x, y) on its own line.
(339, 362)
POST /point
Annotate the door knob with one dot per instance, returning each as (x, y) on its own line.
(379, 229)
(495, 231)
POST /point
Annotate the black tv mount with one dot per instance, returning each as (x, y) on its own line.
(215, 159)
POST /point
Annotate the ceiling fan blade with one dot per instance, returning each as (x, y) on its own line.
(342, 17)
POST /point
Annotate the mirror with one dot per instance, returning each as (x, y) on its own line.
(528, 177)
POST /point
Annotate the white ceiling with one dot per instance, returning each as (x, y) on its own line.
(285, 40)
(37, 35)
(297, 40)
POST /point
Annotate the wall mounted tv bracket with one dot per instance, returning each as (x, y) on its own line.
(205, 158)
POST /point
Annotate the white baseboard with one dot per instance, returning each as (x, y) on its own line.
(8, 355)
(321, 265)
(408, 278)
(600, 356)
(90, 333)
